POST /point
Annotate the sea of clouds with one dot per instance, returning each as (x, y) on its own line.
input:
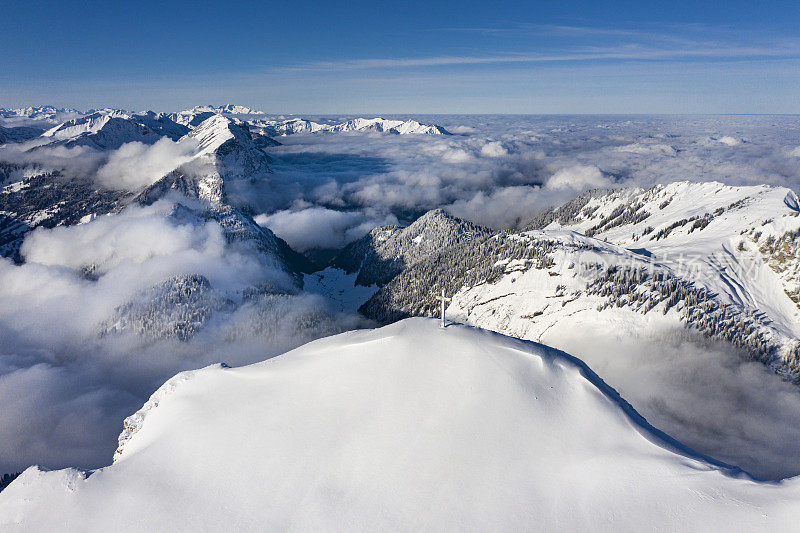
(65, 389)
(501, 170)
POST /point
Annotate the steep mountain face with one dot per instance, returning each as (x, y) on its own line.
(406, 427)
(178, 307)
(191, 118)
(461, 264)
(222, 151)
(718, 260)
(386, 251)
(161, 124)
(231, 143)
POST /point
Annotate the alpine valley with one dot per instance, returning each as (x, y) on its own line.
(626, 341)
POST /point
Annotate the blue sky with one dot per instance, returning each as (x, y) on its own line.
(405, 57)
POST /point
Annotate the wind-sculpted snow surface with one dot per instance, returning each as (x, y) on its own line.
(407, 427)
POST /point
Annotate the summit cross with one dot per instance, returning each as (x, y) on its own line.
(444, 300)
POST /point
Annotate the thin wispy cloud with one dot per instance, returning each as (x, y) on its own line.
(687, 33)
(623, 53)
(548, 43)
(582, 31)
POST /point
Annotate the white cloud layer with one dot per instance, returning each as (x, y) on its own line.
(135, 165)
(578, 178)
(65, 389)
(319, 227)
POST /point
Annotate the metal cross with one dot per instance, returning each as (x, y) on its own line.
(444, 300)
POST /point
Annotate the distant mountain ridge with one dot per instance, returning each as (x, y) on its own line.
(377, 125)
(256, 120)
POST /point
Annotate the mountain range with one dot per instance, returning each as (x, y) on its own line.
(716, 259)
(706, 263)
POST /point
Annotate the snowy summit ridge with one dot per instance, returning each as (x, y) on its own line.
(468, 429)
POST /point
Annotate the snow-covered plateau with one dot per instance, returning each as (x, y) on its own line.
(406, 427)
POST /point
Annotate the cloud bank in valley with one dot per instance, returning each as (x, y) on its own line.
(704, 393)
(540, 161)
(537, 161)
(132, 166)
(135, 165)
(307, 228)
(66, 387)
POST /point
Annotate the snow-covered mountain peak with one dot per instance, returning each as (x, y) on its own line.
(505, 431)
(214, 131)
(91, 123)
(438, 224)
(229, 109)
(195, 116)
(221, 150)
(377, 125)
(386, 251)
(110, 129)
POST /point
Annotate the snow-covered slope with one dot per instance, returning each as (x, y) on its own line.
(722, 260)
(101, 130)
(161, 124)
(110, 129)
(178, 307)
(49, 200)
(408, 427)
(720, 288)
(222, 150)
(738, 242)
